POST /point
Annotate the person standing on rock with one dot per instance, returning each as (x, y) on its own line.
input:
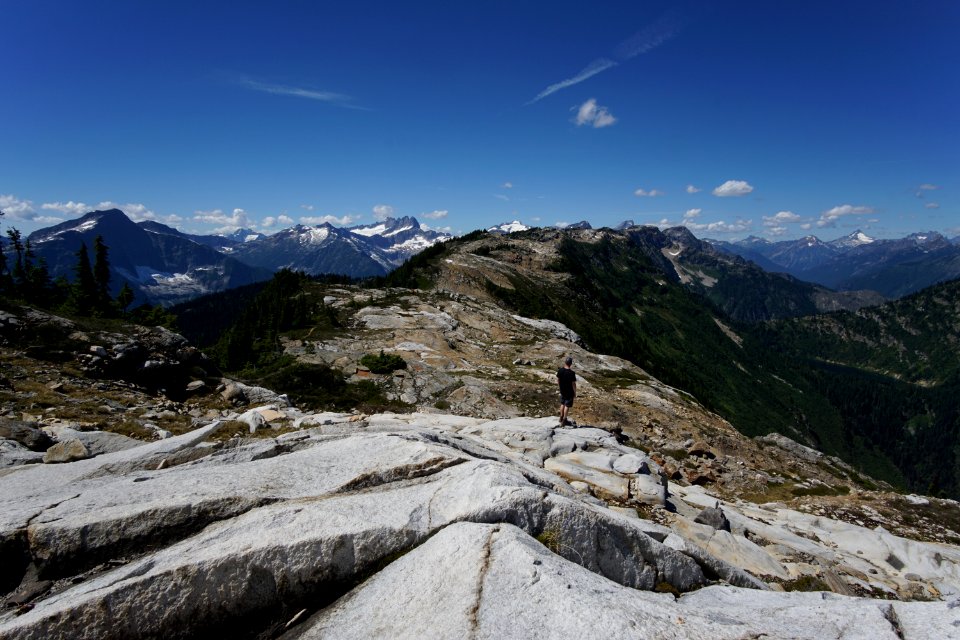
(568, 389)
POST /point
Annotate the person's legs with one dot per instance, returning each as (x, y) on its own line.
(563, 412)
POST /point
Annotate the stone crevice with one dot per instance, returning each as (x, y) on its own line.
(485, 560)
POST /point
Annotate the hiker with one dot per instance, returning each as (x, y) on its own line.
(568, 389)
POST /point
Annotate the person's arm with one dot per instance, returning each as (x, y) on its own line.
(574, 385)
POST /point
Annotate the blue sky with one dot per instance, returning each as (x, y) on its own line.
(769, 118)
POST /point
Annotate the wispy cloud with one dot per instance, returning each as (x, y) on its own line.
(590, 113)
(330, 97)
(652, 193)
(932, 205)
(692, 213)
(733, 188)
(507, 185)
(597, 66)
(647, 39)
(923, 188)
(693, 189)
(435, 215)
(501, 197)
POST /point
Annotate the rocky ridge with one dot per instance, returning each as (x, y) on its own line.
(240, 512)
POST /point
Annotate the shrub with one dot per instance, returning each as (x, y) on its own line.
(383, 363)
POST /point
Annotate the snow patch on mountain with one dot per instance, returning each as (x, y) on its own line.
(369, 231)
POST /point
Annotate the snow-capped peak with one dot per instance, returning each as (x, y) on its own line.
(856, 239)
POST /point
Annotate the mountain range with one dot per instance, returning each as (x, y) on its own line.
(893, 268)
(164, 265)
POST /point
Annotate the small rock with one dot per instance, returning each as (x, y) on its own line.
(701, 449)
(99, 351)
(714, 517)
(195, 386)
(66, 451)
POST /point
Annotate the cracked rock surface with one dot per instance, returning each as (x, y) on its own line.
(415, 525)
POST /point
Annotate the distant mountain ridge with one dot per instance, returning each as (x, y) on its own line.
(161, 264)
(893, 268)
(166, 266)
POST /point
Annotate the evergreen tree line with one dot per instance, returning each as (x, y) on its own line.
(253, 341)
(25, 277)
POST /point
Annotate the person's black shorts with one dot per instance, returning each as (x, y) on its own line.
(566, 401)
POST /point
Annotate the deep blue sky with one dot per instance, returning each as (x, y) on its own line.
(834, 115)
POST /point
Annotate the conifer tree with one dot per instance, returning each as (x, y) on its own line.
(17, 271)
(125, 297)
(101, 274)
(84, 287)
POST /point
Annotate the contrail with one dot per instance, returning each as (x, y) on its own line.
(592, 69)
(663, 29)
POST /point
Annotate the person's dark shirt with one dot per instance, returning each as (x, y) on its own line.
(566, 377)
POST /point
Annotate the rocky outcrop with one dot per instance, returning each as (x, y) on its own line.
(459, 523)
(152, 357)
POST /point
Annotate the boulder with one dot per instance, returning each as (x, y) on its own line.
(631, 463)
(649, 489)
(26, 434)
(66, 451)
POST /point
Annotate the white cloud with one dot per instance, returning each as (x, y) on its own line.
(435, 215)
(282, 219)
(508, 185)
(733, 188)
(17, 208)
(382, 211)
(135, 211)
(926, 186)
(693, 189)
(501, 197)
(829, 217)
(308, 207)
(738, 226)
(781, 218)
(932, 205)
(589, 113)
(692, 213)
(806, 226)
(776, 231)
(561, 225)
(48, 219)
(228, 223)
(342, 221)
(71, 208)
(643, 193)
